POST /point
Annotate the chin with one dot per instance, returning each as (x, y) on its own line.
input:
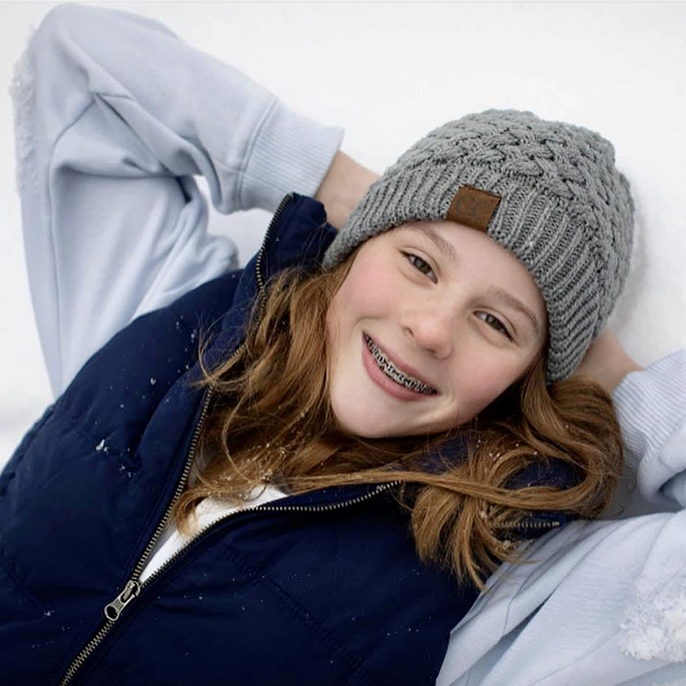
(361, 429)
(360, 421)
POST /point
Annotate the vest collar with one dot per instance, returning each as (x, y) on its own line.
(298, 236)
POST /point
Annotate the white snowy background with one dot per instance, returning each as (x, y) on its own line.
(389, 73)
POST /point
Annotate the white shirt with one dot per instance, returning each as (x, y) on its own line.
(207, 512)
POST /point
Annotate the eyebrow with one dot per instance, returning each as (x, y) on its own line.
(510, 300)
(443, 246)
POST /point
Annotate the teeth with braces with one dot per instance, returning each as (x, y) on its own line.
(391, 371)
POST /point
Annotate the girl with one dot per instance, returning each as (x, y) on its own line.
(303, 471)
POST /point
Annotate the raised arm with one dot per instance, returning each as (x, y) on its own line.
(607, 361)
(115, 115)
(342, 188)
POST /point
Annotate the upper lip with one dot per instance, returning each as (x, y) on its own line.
(400, 364)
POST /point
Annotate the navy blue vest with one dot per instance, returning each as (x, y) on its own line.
(323, 588)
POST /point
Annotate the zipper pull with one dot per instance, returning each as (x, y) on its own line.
(114, 609)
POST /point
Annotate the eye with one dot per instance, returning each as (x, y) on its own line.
(420, 265)
(495, 323)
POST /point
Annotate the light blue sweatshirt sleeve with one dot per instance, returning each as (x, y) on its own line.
(651, 409)
(114, 117)
(598, 602)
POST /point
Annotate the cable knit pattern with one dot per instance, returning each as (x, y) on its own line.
(565, 211)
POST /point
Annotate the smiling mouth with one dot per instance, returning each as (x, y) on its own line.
(393, 373)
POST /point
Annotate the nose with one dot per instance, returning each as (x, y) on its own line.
(432, 329)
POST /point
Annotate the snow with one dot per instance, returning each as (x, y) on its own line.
(655, 625)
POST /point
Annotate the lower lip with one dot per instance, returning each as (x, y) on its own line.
(380, 379)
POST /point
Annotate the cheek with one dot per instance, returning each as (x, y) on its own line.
(367, 291)
(345, 309)
(478, 385)
(335, 318)
(334, 327)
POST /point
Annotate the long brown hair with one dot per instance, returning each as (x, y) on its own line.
(270, 421)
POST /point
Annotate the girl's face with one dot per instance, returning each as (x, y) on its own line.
(432, 323)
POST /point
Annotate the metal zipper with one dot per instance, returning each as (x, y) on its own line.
(134, 587)
(541, 524)
(267, 508)
(532, 524)
(131, 590)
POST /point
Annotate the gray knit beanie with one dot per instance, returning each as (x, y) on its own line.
(547, 191)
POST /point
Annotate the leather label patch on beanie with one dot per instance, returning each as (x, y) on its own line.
(473, 207)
